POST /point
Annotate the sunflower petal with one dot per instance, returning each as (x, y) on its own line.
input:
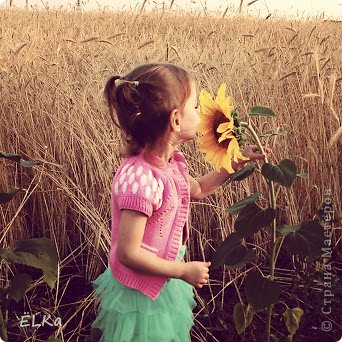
(208, 105)
(223, 137)
(230, 150)
(224, 101)
(218, 159)
(205, 95)
(227, 110)
(221, 93)
(242, 157)
(228, 165)
(223, 127)
(205, 125)
(236, 150)
(226, 135)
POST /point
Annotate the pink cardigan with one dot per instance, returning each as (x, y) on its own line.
(161, 190)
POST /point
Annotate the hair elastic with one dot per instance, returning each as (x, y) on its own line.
(119, 81)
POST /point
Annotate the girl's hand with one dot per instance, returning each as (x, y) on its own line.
(252, 152)
(196, 273)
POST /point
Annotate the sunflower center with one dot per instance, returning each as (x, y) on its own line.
(220, 118)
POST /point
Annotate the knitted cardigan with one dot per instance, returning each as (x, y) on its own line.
(161, 190)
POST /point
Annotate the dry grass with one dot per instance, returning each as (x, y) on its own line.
(53, 67)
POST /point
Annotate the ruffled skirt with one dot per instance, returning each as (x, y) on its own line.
(127, 315)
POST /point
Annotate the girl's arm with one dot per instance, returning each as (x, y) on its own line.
(131, 232)
(209, 183)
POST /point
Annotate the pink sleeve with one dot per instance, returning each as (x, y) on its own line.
(136, 188)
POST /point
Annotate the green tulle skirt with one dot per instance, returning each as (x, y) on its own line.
(127, 315)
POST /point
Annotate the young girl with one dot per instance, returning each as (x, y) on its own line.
(146, 292)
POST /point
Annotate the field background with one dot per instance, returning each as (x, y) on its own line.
(53, 67)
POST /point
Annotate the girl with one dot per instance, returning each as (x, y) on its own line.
(146, 291)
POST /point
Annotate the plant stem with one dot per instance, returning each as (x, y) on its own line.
(3, 331)
(274, 225)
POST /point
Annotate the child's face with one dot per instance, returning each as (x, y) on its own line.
(190, 119)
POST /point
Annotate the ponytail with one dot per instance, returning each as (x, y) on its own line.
(110, 96)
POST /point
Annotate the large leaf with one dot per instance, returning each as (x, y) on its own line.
(231, 253)
(232, 242)
(7, 196)
(236, 208)
(292, 319)
(243, 173)
(283, 173)
(263, 111)
(246, 255)
(306, 239)
(251, 218)
(261, 292)
(39, 253)
(243, 316)
(19, 286)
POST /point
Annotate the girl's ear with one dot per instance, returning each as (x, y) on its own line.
(175, 121)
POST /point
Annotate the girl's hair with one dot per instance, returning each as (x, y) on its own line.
(143, 109)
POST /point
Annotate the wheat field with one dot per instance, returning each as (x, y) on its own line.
(53, 67)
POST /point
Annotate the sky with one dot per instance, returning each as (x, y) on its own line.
(292, 8)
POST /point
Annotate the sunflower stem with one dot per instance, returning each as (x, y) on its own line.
(255, 137)
(274, 225)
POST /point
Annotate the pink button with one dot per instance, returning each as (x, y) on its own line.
(184, 200)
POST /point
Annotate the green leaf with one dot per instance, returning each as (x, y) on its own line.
(283, 173)
(231, 253)
(292, 319)
(19, 286)
(12, 156)
(261, 292)
(232, 242)
(243, 316)
(269, 135)
(246, 255)
(235, 208)
(263, 111)
(7, 196)
(251, 218)
(243, 173)
(306, 239)
(39, 253)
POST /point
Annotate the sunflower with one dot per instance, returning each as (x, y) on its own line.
(219, 141)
